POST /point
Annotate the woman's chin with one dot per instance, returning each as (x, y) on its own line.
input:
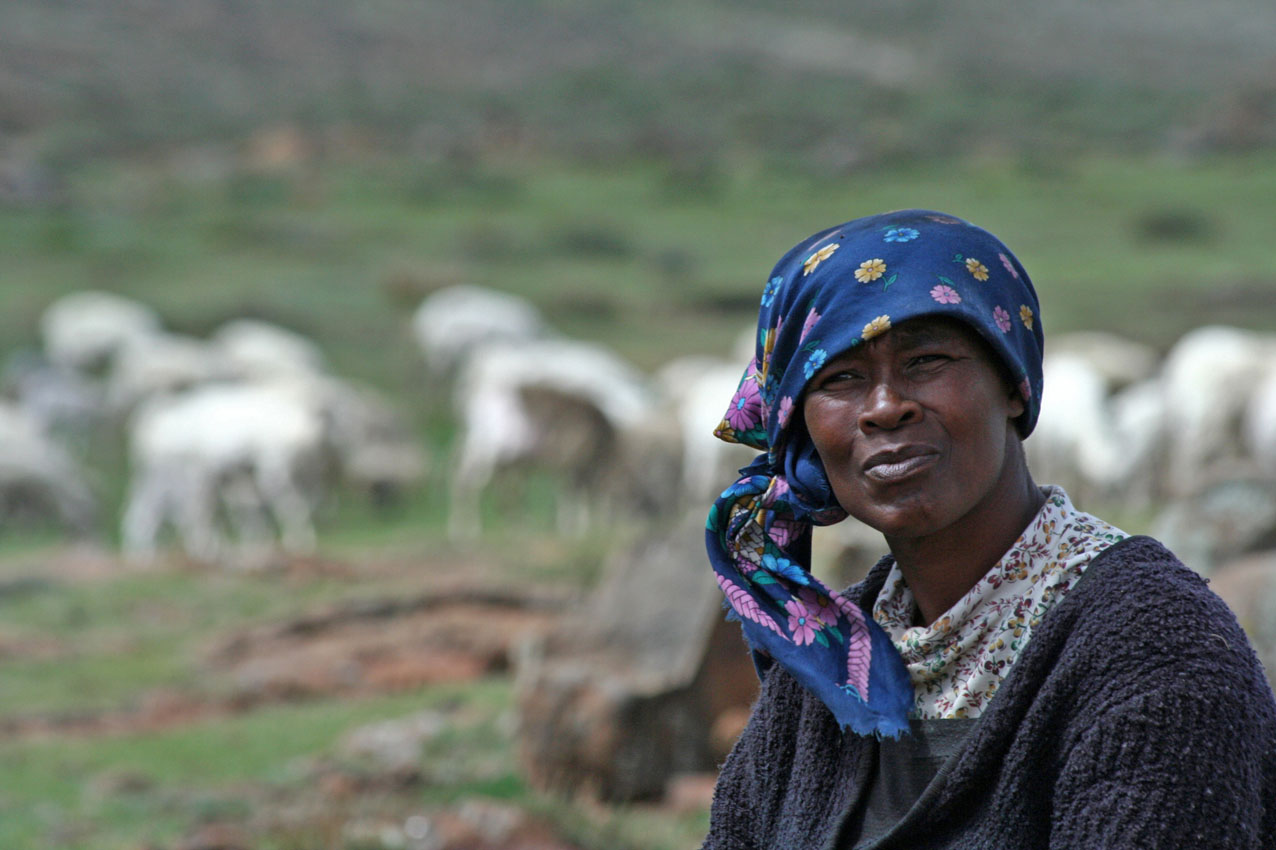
(902, 522)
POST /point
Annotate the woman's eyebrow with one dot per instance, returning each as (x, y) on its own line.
(921, 336)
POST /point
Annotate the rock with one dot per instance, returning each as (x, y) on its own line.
(1248, 586)
(690, 792)
(626, 692)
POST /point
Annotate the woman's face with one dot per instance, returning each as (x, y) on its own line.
(914, 427)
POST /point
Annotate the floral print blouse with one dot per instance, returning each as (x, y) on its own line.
(957, 662)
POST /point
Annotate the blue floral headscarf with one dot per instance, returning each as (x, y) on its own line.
(836, 290)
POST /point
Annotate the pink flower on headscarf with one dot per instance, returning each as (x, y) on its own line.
(786, 410)
(801, 623)
(745, 411)
(1002, 318)
(1005, 261)
(811, 318)
(945, 295)
(821, 607)
(1025, 389)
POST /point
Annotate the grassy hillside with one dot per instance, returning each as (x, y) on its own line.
(831, 83)
(656, 260)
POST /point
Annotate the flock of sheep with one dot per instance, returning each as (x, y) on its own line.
(235, 441)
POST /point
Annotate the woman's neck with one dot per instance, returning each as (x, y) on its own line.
(942, 567)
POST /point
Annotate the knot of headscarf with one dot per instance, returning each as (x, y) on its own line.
(831, 292)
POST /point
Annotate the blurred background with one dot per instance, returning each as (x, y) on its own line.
(358, 364)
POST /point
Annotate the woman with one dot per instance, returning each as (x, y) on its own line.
(1016, 673)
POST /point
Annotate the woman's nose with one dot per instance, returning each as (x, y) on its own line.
(887, 406)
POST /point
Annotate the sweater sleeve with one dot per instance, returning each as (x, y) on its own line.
(1166, 769)
(755, 776)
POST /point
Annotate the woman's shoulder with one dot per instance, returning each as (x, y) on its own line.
(1142, 577)
(1138, 607)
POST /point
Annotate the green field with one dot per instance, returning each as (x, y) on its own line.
(658, 260)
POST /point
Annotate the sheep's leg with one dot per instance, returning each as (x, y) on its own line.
(246, 511)
(464, 521)
(148, 505)
(196, 516)
(289, 506)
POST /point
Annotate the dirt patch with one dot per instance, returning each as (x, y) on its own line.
(385, 644)
(160, 709)
(354, 648)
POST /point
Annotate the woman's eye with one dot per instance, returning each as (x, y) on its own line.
(842, 377)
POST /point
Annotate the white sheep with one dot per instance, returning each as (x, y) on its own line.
(1074, 444)
(160, 364)
(454, 321)
(38, 479)
(1208, 377)
(697, 390)
(1260, 427)
(373, 449)
(258, 456)
(1138, 422)
(60, 400)
(560, 403)
(1120, 361)
(257, 350)
(1096, 443)
(242, 451)
(84, 330)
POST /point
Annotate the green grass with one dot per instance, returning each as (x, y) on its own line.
(615, 254)
(102, 793)
(222, 768)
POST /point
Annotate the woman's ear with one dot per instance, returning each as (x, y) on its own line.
(1017, 405)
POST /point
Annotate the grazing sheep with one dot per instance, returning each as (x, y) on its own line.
(237, 450)
(259, 350)
(258, 457)
(373, 449)
(160, 364)
(1120, 361)
(59, 400)
(560, 403)
(452, 322)
(1208, 377)
(84, 330)
(39, 482)
(697, 390)
(1138, 422)
(1095, 443)
(1074, 444)
(1260, 427)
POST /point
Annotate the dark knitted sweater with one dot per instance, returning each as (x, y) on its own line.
(1137, 716)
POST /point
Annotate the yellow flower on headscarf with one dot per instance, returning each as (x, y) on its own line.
(768, 346)
(818, 257)
(870, 270)
(1025, 316)
(977, 269)
(880, 325)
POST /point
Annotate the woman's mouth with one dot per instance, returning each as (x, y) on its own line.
(894, 466)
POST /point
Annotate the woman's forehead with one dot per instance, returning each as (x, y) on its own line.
(922, 331)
